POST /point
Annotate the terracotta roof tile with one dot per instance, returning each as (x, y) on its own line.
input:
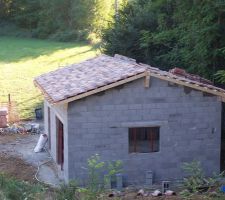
(88, 75)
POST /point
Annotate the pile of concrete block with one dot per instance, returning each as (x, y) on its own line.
(20, 128)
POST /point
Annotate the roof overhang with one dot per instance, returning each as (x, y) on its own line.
(191, 85)
(146, 74)
(91, 92)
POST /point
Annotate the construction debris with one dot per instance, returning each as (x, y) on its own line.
(112, 194)
(156, 193)
(115, 194)
(141, 192)
(170, 193)
(181, 72)
(21, 128)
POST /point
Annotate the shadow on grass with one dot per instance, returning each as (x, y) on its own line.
(16, 49)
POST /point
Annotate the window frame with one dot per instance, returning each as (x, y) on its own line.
(135, 151)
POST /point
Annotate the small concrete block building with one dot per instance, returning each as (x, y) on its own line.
(151, 120)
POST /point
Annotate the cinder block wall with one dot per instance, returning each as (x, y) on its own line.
(190, 129)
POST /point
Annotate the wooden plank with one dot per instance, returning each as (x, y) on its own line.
(147, 80)
(102, 88)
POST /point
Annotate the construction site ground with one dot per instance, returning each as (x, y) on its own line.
(18, 159)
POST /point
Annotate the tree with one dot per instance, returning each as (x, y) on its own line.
(64, 20)
(168, 33)
(5, 6)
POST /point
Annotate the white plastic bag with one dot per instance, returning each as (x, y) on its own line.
(41, 143)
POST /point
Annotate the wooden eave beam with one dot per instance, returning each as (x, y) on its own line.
(147, 76)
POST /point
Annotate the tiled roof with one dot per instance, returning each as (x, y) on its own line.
(199, 84)
(85, 76)
(104, 72)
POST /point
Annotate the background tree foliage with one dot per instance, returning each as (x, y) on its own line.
(164, 33)
(64, 20)
(171, 33)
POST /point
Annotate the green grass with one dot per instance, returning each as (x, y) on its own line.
(12, 189)
(23, 59)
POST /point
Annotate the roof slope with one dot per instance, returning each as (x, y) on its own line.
(103, 72)
(85, 76)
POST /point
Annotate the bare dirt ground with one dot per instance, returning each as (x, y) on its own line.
(18, 159)
(17, 168)
(7, 138)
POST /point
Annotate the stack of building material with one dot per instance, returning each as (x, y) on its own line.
(3, 118)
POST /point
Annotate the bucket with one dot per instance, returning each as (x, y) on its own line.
(38, 113)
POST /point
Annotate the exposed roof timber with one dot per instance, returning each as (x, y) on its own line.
(115, 84)
(147, 79)
(194, 86)
(147, 76)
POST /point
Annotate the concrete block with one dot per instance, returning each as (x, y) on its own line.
(135, 106)
(187, 130)
(108, 107)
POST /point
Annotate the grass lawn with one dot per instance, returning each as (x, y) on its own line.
(23, 59)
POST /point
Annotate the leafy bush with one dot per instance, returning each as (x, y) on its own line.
(63, 20)
(196, 183)
(70, 35)
(220, 76)
(195, 177)
(96, 170)
(9, 29)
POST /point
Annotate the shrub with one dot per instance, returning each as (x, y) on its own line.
(196, 183)
(69, 35)
(96, 170)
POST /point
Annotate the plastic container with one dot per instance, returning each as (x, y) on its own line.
(38, 113)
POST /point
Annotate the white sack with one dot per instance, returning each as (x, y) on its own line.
(41, 143)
